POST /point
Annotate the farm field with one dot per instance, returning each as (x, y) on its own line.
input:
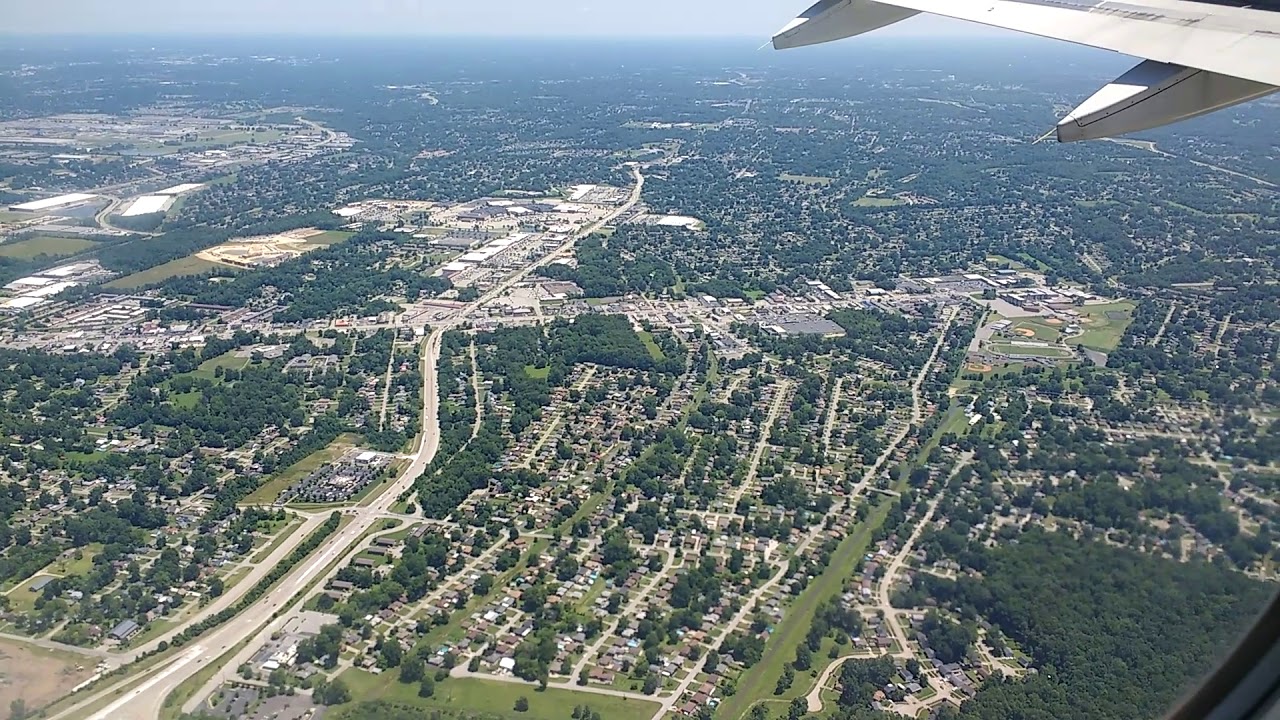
(190, 265)
(44, 245)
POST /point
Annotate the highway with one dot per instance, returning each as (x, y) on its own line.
(147, 699)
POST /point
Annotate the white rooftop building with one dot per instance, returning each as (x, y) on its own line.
(147, 204)
(180, 189)
(53, 202)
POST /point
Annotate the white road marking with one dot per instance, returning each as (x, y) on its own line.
(109, 712)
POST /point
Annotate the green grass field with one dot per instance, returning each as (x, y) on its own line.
(655, 352)
(270, 490)
(1005, 260)
(280, 536)
(190, 265)
(324, 240)
(44, 245)
(228, 360)
(757, 683)
(876, 202)
(22, 599)
(537, 373)
(186, 400)
(76, 566)
(1106, 325)
(492, 697)
(1030, 351)
(231, 137)
(1043, 331)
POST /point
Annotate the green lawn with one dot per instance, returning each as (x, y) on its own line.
(493, 697)
(1048, 333)
(227, 360)
(22, 599)
(44, 245)
(76, 566)
(876, 202)
(186, 400)
(1030, 351)
(757, 683)
(1033, 263)
(655, 352)
(324, 240)
(270, 490)
(212, 139)
(537, 373)
(190, 265)
(280, 536)
(1106, 325)
(1005, 260)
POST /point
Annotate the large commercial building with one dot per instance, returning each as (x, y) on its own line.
(53, 203)
(180, 189)
(147, 204)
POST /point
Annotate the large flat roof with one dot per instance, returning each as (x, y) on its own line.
(179, 189)
(50, 290)
(22, 302)
(53, 202)
(146, 205)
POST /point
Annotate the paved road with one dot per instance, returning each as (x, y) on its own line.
(51, 645)
(165, 679)
(782, 393)
(460, 671)
(161, 681)
(892, 615)
(292, 604)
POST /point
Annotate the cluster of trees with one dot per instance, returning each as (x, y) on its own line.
(345, 277)
(409, 578)
(951, 641)
(1115, 634)
(52, 395)
(226, 414)
(510, 353)
(860, 679)
(448, 480)
(608, 268)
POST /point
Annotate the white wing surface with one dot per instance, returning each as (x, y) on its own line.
(1199, 56)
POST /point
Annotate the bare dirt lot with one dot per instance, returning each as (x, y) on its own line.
(251, 252)
(38, 676)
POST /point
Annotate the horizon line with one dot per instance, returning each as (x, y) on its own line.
(224, 34)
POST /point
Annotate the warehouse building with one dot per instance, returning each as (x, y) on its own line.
(53, 203)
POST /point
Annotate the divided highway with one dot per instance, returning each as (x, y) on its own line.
(145, 701)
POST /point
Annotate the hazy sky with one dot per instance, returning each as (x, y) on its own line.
(755, 18)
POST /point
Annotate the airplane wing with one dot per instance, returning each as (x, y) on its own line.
(1201, 56)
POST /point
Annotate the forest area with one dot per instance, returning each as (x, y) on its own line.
(1114, 634)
